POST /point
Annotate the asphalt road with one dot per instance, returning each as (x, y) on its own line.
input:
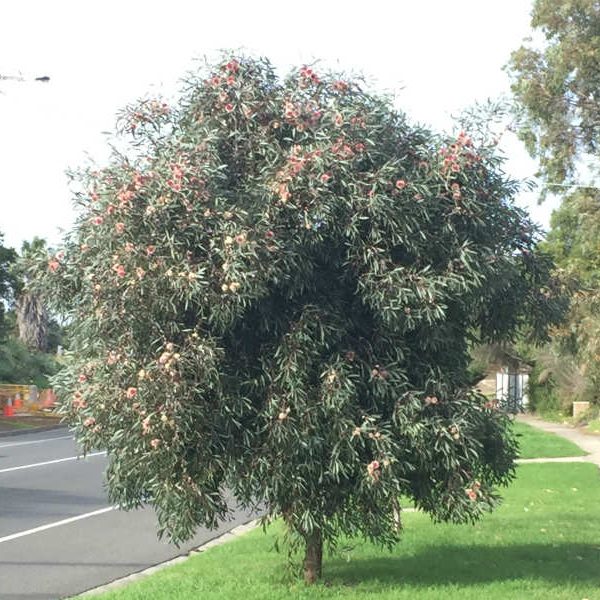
(58, 534)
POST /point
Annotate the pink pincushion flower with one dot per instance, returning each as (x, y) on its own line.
(78, 403)
(53, 265)
(155, 443)
(174, 185)
(120, 227)
(131, 392)
(400, 184)
(125, 196)
(98, 220)
(229, 107)
(372, 468)
(150, 250)
(119, 270)
(82, 378)
(89, 422)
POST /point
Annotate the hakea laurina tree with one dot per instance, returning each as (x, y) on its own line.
(271, 294)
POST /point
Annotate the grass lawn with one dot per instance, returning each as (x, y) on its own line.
(543, 543)
(26, 422)
(534, 443)
(594, 426)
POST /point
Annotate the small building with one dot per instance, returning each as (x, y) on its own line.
(507, 381)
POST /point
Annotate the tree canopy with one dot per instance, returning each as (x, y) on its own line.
(557, 84)
(271, 293)
(7, 283)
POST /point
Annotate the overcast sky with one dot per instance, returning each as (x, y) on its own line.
(437, 57)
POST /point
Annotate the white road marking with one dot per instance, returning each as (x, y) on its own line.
(20, 534)
(50, 462)
(62, 437)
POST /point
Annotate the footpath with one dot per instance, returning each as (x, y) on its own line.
(588, 442)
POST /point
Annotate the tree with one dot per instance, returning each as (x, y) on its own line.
(7, 283)
(272, 292)
(574, 242)
(32, 317)
(556, 84)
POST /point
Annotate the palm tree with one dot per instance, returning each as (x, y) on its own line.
(32, 317)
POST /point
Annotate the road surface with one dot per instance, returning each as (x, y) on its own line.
(58, 534)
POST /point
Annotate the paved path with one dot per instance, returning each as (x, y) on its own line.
(589, 443)
(58, 534)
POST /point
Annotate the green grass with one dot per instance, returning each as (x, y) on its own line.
(542, 543)
(594, 426)
(534, 443)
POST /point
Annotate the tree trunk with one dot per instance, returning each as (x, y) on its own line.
(313, 559)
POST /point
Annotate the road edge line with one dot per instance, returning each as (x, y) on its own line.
(51, 462)
(20, 534)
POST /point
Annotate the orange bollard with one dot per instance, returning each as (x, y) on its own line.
(8, 411)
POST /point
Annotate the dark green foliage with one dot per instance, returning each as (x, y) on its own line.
(273, 292)
(19, 365)
(7, 284)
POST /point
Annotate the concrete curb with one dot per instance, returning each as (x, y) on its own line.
(17, 432)
(123, 581)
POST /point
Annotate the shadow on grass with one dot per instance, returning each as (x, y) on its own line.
(464, 565)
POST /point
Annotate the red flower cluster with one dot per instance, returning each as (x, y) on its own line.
(119, 270)
(458, 155)
(473, 491)
(342, 149)
(233, 66)
(340, 86)
(308, 76)
(373, 469)
(125, 196)
(175, 182)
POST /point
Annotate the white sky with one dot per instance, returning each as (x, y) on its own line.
(436, 56)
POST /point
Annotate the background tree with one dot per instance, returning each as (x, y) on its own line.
(32, 316)
(272, 292)
(573, 363)
(7, 284)
(557, 84)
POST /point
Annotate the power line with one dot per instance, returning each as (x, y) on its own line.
(571, 185)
